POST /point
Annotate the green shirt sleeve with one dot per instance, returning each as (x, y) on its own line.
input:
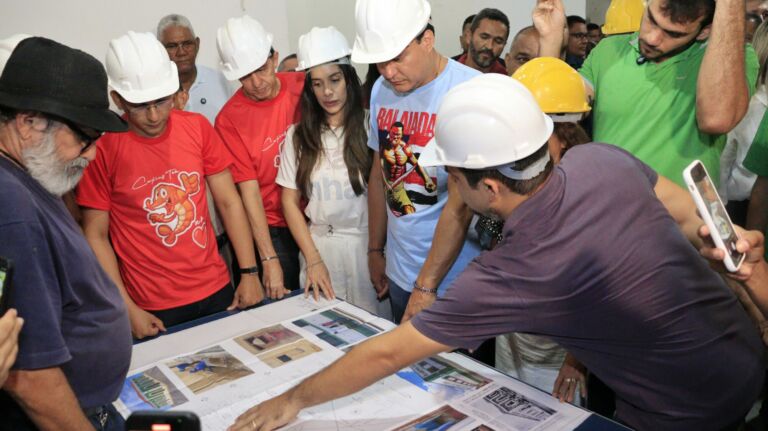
(586, 67)
(751, 67)
(757, 157)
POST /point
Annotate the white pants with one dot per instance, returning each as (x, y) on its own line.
(534, 360)
(345, 254)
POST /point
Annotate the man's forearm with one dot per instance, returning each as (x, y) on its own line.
(365, 364)
(377, 207)
(450, 234)
(96, 228)
(254, 208)
(47, 398)
(234, 218)
(722, 94)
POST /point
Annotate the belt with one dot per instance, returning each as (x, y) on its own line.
(331, 230)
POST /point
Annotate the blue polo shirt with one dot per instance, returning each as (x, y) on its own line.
(74, 316)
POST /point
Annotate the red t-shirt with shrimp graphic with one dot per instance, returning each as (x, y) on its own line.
(155, 192)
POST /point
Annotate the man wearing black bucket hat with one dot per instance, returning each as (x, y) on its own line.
(75, 346)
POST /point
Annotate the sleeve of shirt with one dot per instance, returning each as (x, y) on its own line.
(752, 67)
(95, 188)
(216, 156)
(586, 70)
(242, 168)
(482, 302)
(36, 296)
(757, 156)
(286, 173)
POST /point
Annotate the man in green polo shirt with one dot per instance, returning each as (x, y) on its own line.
(669, 92)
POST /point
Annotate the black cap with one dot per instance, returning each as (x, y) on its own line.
(45, 76)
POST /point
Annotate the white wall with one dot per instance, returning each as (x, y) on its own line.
(90, 24)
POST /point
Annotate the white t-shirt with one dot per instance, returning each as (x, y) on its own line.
(332, 201)
(413, 208)
(736, 181)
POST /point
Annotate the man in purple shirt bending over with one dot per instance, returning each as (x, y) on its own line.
(596, 255)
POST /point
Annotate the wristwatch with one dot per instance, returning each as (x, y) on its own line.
(249, 270)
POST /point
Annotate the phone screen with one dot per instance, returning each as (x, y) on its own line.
(716, 211)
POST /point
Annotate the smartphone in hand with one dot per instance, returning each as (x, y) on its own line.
(712, 211)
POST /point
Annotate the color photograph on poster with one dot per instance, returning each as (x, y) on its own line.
(444, 418)
(442, 378)
(267, 339)
(208, 368)
(337, 328)
(278, 357)
(150, 390)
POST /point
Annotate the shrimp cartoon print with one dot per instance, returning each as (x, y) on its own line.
(172, 212)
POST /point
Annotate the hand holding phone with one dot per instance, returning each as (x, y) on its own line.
(712, 211)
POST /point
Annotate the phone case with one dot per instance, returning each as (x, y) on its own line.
(730, 265)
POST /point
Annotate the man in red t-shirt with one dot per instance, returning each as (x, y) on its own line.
(144, 197)
(253, 125)
(488, 37)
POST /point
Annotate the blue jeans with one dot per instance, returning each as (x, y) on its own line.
(398, 298)
(106, 418)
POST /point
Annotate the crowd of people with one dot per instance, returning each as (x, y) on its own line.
(531, 202)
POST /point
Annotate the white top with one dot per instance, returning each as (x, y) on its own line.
(208, 93)
(332, 200)
(735, 180)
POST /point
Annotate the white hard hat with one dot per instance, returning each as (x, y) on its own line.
(489, 121)
(7, 46)
(321, 45)
(139, 69)
(243, 46)
(385, 28)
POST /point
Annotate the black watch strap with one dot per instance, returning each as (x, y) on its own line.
(249, 270)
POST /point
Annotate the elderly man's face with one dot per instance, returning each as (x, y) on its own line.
(58, 153)
(525, 47)
(182, 47)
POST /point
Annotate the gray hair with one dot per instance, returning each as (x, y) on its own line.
(174, 20)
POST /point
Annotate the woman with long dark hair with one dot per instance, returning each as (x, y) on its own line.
(324, 164)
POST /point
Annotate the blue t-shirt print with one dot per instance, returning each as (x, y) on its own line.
(409, 186)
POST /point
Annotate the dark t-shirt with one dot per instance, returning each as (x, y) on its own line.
(595, 262)
(73, 314)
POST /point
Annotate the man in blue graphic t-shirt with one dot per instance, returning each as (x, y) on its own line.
(404, 219)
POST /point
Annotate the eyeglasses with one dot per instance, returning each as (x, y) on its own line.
(184, 45)
(86, 136)
(143, 108)
(579, 35)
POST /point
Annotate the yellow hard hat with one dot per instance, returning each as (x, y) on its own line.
(623, 16)
(556, 86)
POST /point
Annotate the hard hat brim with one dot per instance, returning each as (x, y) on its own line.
(430, 155)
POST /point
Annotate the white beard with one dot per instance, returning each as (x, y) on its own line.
(45, 166)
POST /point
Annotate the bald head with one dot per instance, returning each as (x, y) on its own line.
(525, 46)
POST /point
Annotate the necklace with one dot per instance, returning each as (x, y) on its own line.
(13, 159)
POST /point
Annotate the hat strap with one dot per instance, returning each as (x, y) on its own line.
(526, 174)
